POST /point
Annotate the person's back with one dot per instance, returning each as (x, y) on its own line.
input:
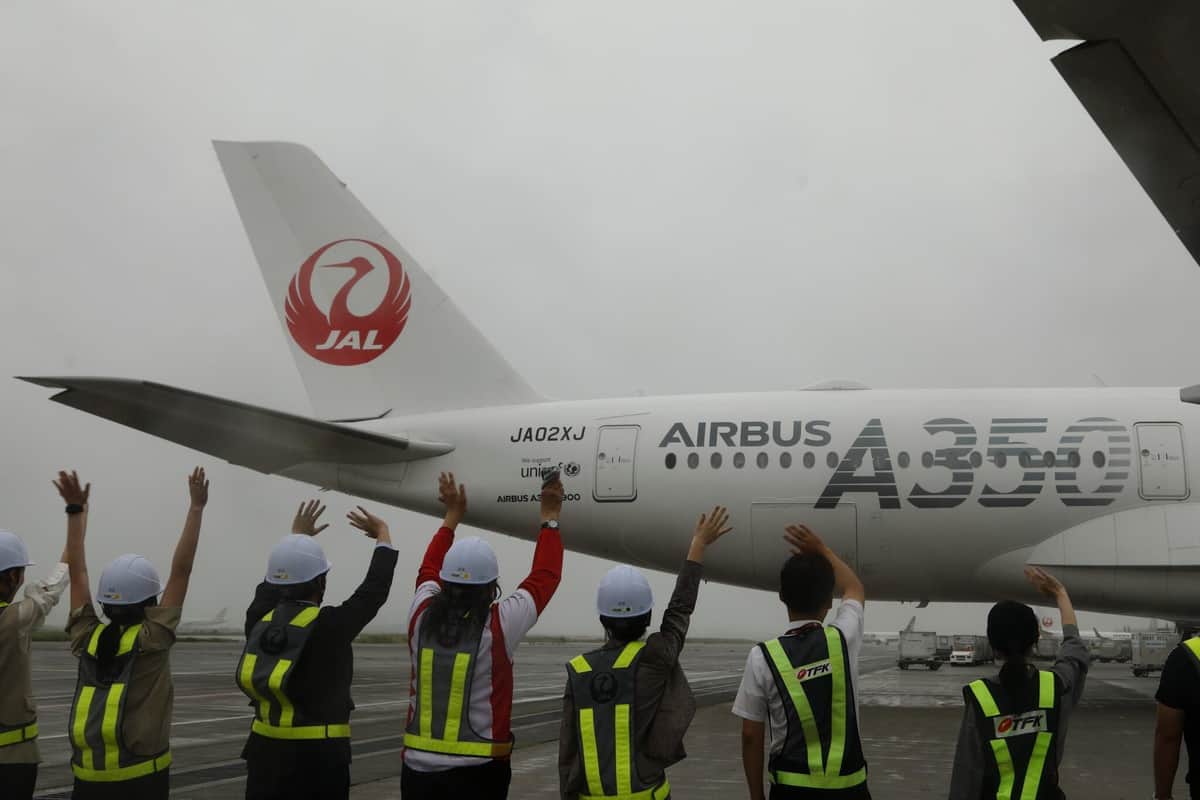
(630, 688)
(1178, 719)
(298, 664)
(18, 618)
(803, 683)
(1014, 728)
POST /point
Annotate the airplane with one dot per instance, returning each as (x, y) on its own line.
(933, 495)
(214, 624)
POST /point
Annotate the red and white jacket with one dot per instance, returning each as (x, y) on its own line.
(511, 619)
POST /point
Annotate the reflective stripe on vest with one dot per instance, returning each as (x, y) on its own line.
(264, 671)
(22, 733)
(1033, 770)
(603, 686)
(822, 773)
(442, 721)
(1193, 646)
(97, 716)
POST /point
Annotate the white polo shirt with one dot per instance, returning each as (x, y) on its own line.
(758, 697)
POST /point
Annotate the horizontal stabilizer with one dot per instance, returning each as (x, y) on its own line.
(250, 436)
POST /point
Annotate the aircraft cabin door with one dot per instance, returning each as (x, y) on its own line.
(837, 527)
(1163, 470)
(616, 451)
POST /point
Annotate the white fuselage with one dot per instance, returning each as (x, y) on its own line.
(933, 495)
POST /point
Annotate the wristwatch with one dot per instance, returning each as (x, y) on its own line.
(75, 508)
(552, 524)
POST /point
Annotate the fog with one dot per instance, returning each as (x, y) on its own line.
(664, 198)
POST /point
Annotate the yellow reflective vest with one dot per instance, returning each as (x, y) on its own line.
(264, 673)
(98, 749)
(603, 687)
(1019, 734)
(822, 749)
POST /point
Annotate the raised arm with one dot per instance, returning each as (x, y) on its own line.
(846, 582)
(1052, 587)
(453, 496)
(546, 573)
(76, 498)
(668, 643)
(185, 552)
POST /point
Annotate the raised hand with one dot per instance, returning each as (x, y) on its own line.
(307, 515)
(1044, 582)
(453, 496)
(712, 526)
(552, 499)
(374, 527)
(198, 488)
(802, 540)
(70, 490)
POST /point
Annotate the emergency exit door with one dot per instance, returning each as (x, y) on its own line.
(616, 451)
(1160, 454)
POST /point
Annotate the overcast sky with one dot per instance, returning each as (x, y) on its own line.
(682, 197)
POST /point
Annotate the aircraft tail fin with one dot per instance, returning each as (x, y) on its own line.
(370, 331)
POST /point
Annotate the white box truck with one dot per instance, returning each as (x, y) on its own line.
(970, 650)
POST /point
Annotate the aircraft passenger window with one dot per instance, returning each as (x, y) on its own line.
(1073, 459)
(832, 460)
(715, 461)
(1001, 460)
(977, 459)
(670, 461)
(739, 460)
(762, 460)
(1048, 459)
(810, 460)
(693, 460)
(1098, 458)
(785, 460)
(902, 459)
(927, 460)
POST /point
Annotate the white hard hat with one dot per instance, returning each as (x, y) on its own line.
(624, 592)
(12, 552)
(470, 561)
(128, 580)
(296, 559)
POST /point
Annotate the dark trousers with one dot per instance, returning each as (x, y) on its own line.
(311, 780)
(151, 787)
(486, 782)
(17, 780)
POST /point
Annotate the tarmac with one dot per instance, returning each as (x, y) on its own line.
(910, 721)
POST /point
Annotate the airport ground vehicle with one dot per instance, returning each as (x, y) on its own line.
(945, 646)
(1107, 650)
(970, 650)
(919, 647)
(1150, 650)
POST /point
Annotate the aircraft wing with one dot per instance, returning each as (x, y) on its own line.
(250, 436)
(1137, 73)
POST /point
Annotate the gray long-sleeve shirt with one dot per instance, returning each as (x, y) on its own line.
(664, 703)
(970, 759)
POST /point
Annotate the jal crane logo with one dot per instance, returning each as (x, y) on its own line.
(341, 337)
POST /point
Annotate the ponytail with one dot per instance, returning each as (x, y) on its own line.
(120, 618)
(459, 608)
